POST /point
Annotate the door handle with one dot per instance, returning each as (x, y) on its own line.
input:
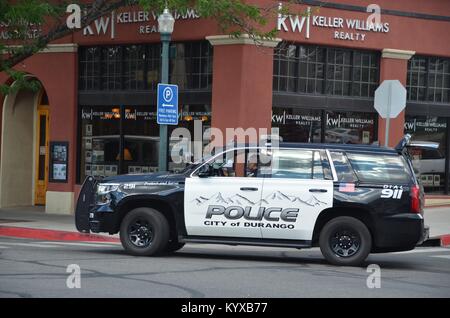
(249, 189)
(318, 190)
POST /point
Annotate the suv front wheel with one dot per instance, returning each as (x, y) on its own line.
(345, 241)
(144, 231)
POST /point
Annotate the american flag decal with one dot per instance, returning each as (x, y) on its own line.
(347, 187)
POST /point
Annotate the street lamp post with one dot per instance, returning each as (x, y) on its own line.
(165, 27)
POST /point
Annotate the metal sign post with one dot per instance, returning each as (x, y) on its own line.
(388, 118)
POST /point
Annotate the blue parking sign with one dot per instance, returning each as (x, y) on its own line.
(167, 104)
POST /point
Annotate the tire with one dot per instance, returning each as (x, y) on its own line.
(345, 241)
(144, 232)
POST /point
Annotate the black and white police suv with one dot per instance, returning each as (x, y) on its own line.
(350, 200)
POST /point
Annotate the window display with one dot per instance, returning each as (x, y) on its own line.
(99, 141)
(301, 125)
(430, 164)
(350, 127)
(112, 145)
(297, 125)
(141, 139)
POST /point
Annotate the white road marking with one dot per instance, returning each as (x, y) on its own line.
(28, 244)
(4, 246)
(424, 250)
(441, 256)
(86, 244)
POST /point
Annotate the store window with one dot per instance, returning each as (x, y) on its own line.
(429, 79)
(134, 66)
(107, 137)
(325, 70)
(301, 125)
(137, 67)
(350, 127)
(111, 67)
(191, 67)
(429, 164)
(141, 140)
(90, 68)
(100, 132)
(297, 125)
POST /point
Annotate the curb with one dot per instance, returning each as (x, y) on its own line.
(443, 241)
(437, 206)
(53, 235)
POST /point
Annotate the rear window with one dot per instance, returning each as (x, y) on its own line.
(425, 154)
(376, 168)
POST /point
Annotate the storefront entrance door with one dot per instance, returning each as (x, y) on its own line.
(42, 155)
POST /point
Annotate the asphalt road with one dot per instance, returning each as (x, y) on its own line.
(30, 268)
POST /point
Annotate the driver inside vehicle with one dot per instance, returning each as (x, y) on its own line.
(223, 169)
(252, 166)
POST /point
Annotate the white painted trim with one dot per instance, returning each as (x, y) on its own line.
(242, 39)
(397, 54)
(55, 48)
(61, 48)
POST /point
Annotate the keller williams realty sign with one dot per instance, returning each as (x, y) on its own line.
(341, 28)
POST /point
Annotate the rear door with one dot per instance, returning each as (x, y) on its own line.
(298, 185)
(217, 205)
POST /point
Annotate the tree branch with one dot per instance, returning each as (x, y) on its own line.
(98, 9)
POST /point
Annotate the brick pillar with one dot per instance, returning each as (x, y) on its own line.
(394, 66)
(242, 82)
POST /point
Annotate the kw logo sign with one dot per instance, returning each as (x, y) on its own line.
(342, 28)
(102, 26)
(295, 22)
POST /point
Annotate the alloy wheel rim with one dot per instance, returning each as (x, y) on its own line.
(140, 233)
(345, 243)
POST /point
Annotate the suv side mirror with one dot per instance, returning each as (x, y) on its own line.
(205, 171)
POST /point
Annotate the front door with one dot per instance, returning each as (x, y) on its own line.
(221, 204)
(42, 155)
(297, 187)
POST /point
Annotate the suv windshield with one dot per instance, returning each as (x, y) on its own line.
(381, 169)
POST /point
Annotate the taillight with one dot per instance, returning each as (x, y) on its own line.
(416, 206)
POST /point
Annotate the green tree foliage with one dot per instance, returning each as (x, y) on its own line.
(19, 18)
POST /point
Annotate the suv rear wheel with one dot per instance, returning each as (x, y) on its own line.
(144, 231)
(345, 241)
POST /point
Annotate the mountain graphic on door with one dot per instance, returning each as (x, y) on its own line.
(270, 199)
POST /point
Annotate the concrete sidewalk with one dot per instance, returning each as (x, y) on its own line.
(29, 222)
(437, 200)
(437, 218)
(36, 218)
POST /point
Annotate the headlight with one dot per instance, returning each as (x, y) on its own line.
(104, 188)
(103, 195)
